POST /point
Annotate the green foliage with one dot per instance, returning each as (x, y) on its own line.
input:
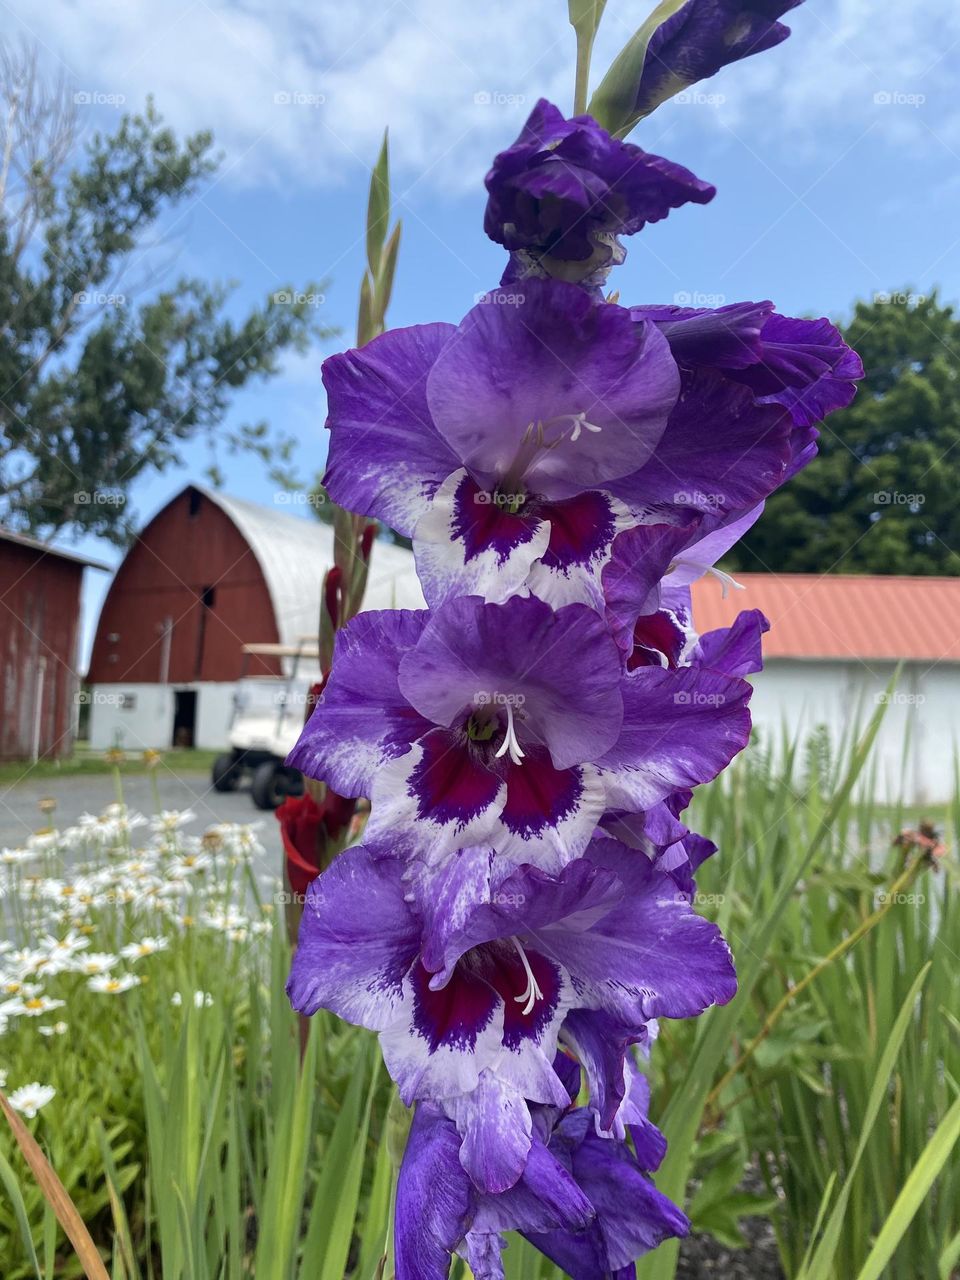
(881, 497)
(106, 377)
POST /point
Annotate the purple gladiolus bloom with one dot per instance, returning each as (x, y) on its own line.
(513, 725)
(493, 444)
(469, 976)
(585, 1201)
(703, 36)
(564, 191)
(515, 448)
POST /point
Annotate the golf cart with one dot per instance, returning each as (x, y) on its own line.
(268, 714)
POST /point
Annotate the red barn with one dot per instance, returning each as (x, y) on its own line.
(207, 575)
(39, 618)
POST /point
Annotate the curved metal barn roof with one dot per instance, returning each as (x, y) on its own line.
(294, 555)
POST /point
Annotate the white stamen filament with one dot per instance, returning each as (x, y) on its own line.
(510, 743)
(725, 579)
(531, 993)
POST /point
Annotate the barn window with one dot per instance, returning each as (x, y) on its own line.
(193, 503)
(208, 596)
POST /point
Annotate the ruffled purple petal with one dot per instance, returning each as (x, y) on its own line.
(495, 1123)
(358, 939)
(552, 355)
(680, 728)
(722, 451)
(434, 1198)
(362, 719)
(386, 457)
(736, 650)
(806, 366)
(651, 955)
(722, 338)
(469, 908)
(601, 1042)
(632, 1216)
(631, 580)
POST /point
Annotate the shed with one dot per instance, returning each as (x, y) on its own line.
(834, 644)
(39, 615)
(207, 575)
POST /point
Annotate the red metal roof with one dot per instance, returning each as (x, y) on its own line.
(842, 616)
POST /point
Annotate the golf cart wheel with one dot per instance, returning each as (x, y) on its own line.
(269, 787)
(225, 773)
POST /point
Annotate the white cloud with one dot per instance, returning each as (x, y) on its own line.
(255, 73)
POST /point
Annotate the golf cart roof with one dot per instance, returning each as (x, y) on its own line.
(305, 650)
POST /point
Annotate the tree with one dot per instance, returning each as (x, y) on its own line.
(103, 378)
(882, 496)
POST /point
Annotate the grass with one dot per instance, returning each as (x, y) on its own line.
(196, 1145)
(86, 762)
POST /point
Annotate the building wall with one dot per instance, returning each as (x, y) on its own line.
(139, 715)
(913, 757)
(39, 611)
(190, 565)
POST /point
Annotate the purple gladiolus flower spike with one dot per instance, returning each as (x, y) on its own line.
(520, 913)
(564, 191)
(703, 36)
(514, 725)
(493, 445)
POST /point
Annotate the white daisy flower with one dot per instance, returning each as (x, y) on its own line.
(107, 986)
(30, 1006)
(10, 985)
(43, 841)
(95, 963)
(69, 945)
(29, 1098)
(53, 1029)
(170, 820)
(227, 921)
(13, 857)
(145, 947)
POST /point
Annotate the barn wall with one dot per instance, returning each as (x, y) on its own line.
(191, 551)
(137, 716)
(39, 611)
(798, 697)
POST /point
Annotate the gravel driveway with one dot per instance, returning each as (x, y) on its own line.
(20, 815)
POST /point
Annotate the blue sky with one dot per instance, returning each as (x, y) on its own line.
(836, 156)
